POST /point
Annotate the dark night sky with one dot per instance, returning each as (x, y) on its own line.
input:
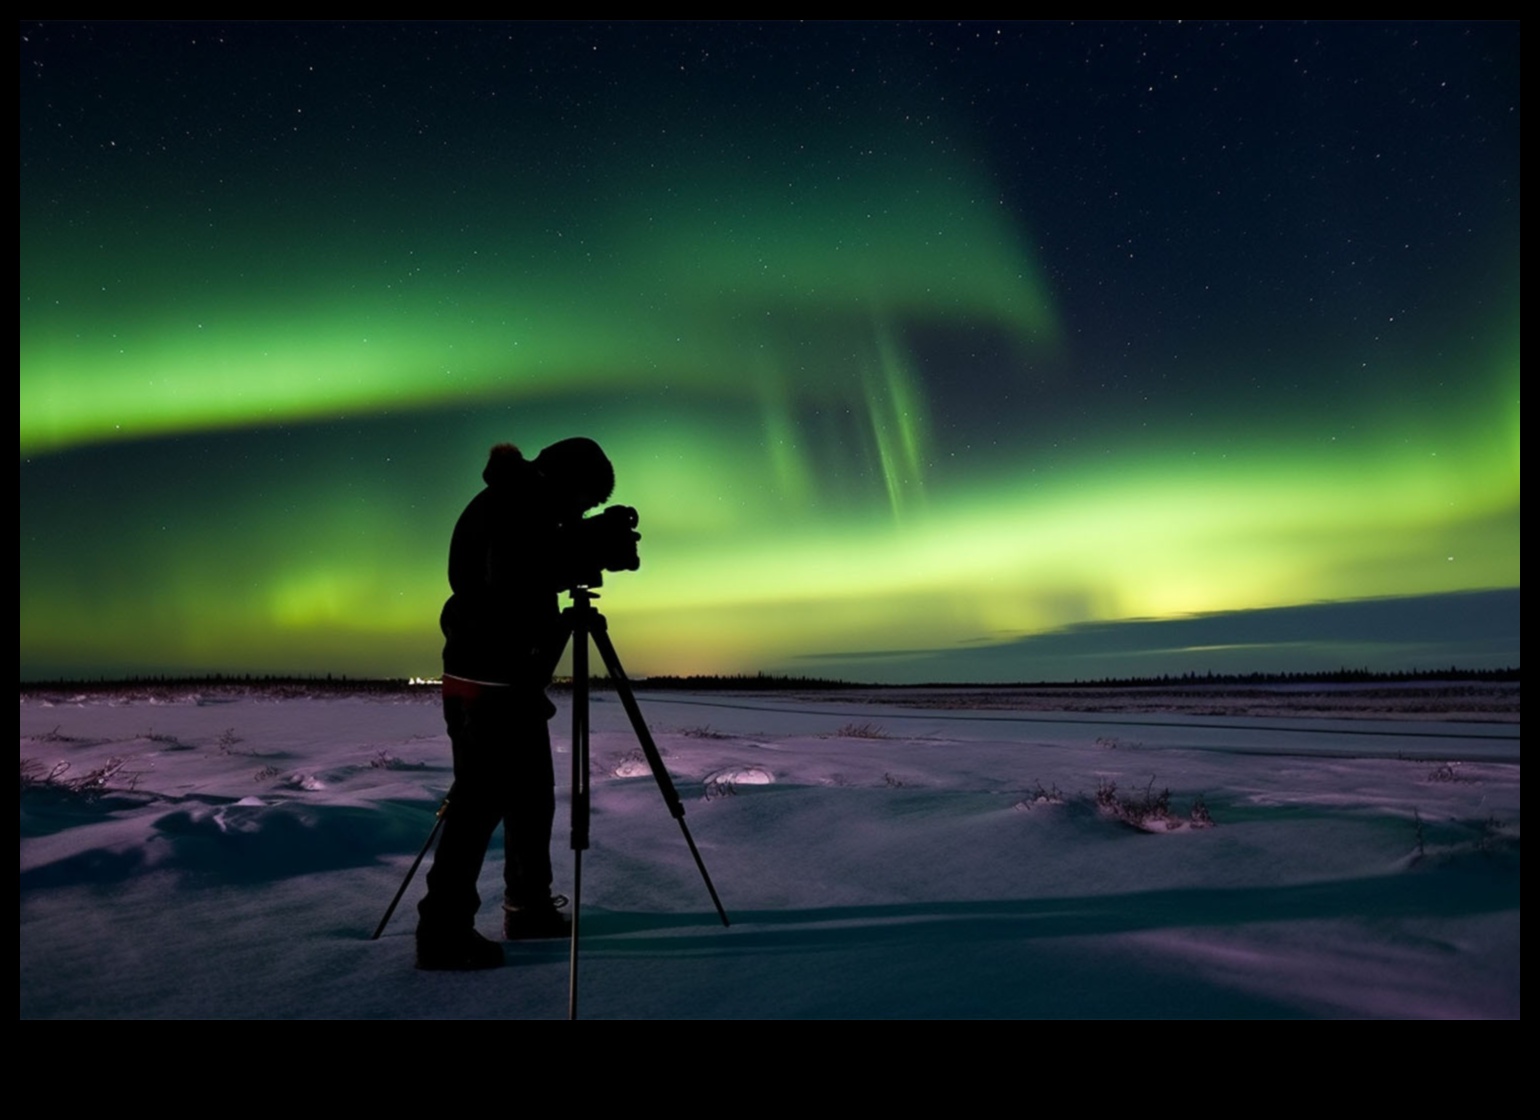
(986, 351)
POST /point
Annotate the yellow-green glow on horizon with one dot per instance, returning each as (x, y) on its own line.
(1166, 543)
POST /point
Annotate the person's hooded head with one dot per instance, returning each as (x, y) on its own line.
(578, 472)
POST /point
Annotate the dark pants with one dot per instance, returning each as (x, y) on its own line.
(503, 773)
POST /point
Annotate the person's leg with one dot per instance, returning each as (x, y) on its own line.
(527, 902)
(446, 928)
(531, 811)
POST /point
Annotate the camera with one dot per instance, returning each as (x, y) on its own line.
(607, 543)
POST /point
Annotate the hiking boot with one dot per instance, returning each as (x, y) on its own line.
(531, 923)
(466, 951)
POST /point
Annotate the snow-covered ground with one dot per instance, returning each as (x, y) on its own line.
(228, 855)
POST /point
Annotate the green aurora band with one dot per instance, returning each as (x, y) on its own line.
(747, 562)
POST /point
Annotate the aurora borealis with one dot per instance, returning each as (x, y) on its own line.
(927, 351)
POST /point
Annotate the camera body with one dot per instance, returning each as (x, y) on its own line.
(606, 542)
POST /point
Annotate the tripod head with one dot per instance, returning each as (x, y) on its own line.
(583, 593)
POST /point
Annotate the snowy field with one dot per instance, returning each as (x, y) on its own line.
(228, 855)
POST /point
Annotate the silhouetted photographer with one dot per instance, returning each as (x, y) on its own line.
(521, 540)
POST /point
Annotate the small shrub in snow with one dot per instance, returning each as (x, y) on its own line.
(1041, 796)
(32, 773)
(90, 785)
(1495, 836)
(1149, 811)
(1447, 772)
(725, 783)
(1457, 839)
(861, 731)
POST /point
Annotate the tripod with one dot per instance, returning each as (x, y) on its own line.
(581, 621)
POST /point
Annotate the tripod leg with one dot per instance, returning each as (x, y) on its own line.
(580, 793)
(650, 749)
(438, 823)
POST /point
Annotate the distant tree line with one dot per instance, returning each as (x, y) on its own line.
(739, 682)
(268, 684)
(342, 684)
(1329, 676)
